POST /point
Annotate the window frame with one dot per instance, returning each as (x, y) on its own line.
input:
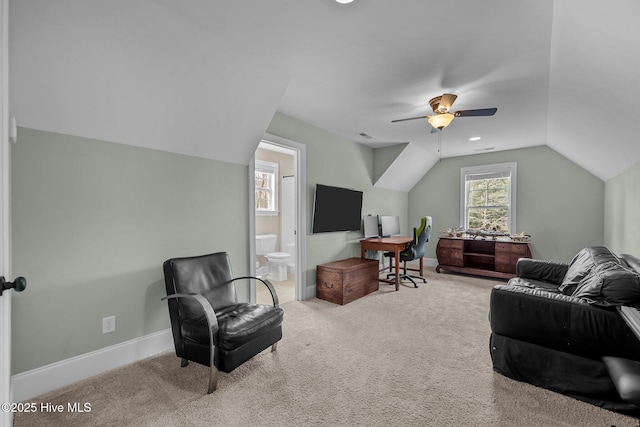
(271, 168)
(498, 168)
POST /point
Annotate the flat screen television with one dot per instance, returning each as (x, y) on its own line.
(336, 209)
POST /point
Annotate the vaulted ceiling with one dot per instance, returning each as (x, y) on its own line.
(205, 77)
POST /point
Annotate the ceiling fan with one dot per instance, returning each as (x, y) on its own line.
(442, 117)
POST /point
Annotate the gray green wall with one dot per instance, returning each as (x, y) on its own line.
(622, 212)
(92, 223)
(384, 157)
(332, 160)
(559, 203)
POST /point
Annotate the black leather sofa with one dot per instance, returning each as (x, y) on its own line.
(553, 323)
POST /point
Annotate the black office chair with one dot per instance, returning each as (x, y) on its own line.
(209, 325)
(415, 251)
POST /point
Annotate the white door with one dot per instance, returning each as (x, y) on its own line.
(288, 217)
(6, 418)
(299, 226)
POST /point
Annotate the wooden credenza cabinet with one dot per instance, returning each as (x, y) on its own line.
(490, 258)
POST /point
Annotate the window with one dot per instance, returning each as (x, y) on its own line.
(266, 187)
(488, 197)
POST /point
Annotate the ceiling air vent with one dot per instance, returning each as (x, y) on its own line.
(364, 135)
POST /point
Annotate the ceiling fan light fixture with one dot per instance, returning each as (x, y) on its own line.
(440, 121)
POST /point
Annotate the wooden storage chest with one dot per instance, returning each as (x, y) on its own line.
(346, 280)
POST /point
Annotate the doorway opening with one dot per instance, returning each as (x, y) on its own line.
(277, 226)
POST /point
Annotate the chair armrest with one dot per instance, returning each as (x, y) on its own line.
(625, 375)
(268, 284)
(209, 313)
(545, 271)
(212, 323)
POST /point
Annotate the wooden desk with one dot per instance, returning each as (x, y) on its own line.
(393, 244)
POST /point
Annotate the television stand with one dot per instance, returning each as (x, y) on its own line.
(480, 257)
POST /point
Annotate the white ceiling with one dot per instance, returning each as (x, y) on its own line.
(205, 77)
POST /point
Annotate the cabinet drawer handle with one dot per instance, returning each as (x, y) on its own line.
(326, 285)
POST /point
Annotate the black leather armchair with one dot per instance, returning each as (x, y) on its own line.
(209, 325)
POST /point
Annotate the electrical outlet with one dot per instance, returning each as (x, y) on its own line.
(108, 324)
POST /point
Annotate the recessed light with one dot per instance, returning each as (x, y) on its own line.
(344, 1)
(475, 138)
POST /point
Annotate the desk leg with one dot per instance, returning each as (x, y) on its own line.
(397, 268)
(362, 251)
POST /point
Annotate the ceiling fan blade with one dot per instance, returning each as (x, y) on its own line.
(446, 101)
(476, 113)
(411, 118)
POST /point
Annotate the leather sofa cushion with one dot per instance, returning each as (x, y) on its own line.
(631, 261)
(544, 271)
(238, 324)
(243, 322)
(582, 264)
(534, 284)
(610, 284)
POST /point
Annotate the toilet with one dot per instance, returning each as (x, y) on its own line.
(276, 268)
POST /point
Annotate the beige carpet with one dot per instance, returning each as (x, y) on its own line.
(285, 289)
(416, 357)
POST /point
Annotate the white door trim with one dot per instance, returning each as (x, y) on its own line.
(6, 391)
(301, 214)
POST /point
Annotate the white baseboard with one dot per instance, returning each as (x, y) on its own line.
(30, 384)
(309, 292)
(430, 262)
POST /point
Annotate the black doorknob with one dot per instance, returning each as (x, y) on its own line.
(19, 284)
